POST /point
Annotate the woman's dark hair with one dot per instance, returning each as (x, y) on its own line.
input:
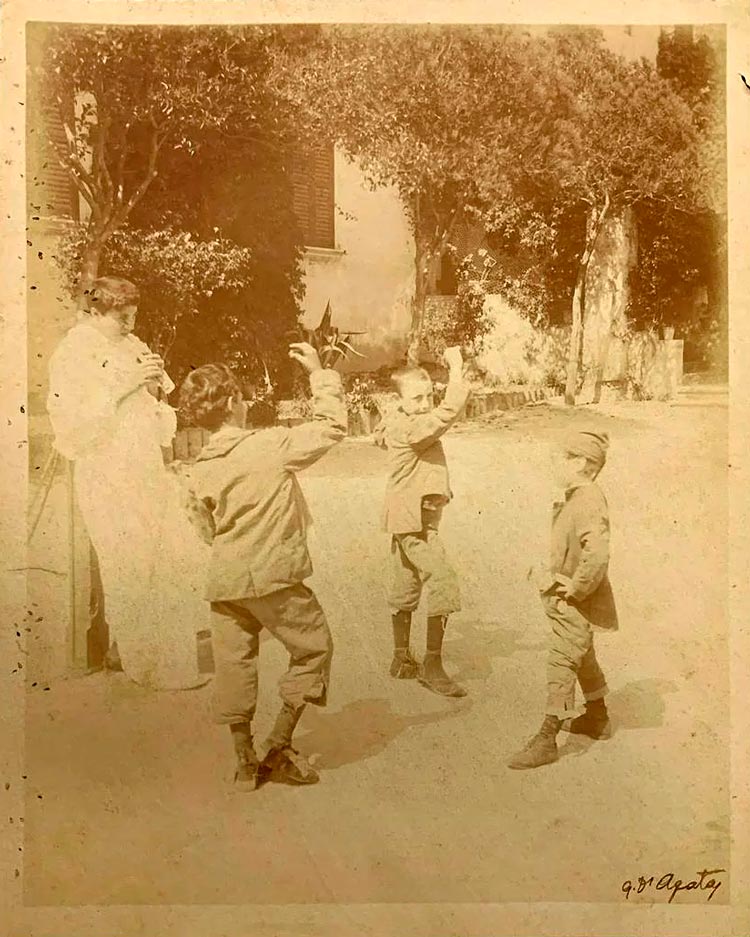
(205, 395)
(109, 293)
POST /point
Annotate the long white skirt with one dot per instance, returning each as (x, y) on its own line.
(152, 568)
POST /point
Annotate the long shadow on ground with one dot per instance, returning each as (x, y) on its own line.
(638, 705)
(478, 645)
(363, 729)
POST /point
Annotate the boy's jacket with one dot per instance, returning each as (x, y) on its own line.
(252, 507)
(417, 465)
(580, 552)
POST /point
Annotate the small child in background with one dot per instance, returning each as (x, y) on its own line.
(253, 513)
(418, 490)
(577, 599)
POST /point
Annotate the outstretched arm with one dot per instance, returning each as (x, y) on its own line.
(303, 445)
(423, 430)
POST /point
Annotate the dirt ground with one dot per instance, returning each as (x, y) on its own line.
(129, 794)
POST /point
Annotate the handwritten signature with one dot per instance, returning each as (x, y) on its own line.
(705, 881)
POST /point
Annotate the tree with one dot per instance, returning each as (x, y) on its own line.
(236, 191)
(439, 113)
(175, 273)
(622, 138)
(682, 249)
(139, 93)
(183, 167)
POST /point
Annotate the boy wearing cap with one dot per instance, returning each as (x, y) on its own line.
(577, 599)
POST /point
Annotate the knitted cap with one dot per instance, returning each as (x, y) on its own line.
(591, 444)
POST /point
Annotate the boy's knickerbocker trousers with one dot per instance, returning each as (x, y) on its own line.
(571, 658)
(419, 562)
(295, 618)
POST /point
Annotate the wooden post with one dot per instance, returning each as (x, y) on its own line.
(79, 566)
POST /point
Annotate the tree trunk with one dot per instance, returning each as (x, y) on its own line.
(89, 266)
(607, 295)
(593, 227)
(422, 263)
(603, 354)
(576, 336)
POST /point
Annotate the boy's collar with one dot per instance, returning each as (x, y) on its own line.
(579, 483)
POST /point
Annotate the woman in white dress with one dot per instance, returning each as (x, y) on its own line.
(104, 385)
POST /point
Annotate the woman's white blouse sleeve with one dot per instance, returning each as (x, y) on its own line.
(167, 424)
(81, 402)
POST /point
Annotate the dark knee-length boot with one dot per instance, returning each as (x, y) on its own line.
(403, 665)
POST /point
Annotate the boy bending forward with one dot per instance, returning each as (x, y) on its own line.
(245, 483)
(417, 491)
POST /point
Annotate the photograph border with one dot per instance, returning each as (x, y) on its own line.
(331, 920)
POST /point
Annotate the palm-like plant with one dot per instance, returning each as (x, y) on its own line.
(331, 343)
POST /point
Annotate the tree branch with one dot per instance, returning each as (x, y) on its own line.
(156, 142)
(120, 171)
(99, 159)
(78, 174)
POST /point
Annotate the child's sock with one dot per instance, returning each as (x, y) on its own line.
(403, 666)
(435, 633)
(286, 723)
(594, 722)
(242, 736)
(401, 621)
(432, 675)
(550, 727)
(282, 762)
(246, 774)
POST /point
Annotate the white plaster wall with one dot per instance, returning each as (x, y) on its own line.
(370, 278)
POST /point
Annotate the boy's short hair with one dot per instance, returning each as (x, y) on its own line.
(402, 375)
(205, 394)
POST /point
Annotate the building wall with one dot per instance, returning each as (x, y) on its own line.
(53, 546)
(369, 276)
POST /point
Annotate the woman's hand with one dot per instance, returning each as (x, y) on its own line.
(148, 370)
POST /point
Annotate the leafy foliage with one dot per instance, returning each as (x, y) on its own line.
(173, 270)
(202, 132)
(412, 106)
(680, 249)
(239, 191)
(331, 343)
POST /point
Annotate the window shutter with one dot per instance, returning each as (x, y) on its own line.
(52, 193)
(313, 195)
(323, 188)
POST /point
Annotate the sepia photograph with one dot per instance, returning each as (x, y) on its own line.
(376, 422)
